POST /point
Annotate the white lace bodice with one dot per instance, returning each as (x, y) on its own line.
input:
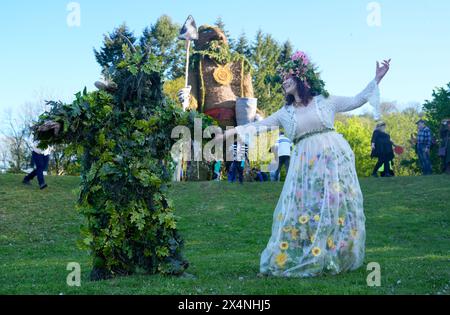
(319, 114)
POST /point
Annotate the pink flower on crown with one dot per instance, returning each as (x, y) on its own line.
(300, 55)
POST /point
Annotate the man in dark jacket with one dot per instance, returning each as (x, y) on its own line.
(382, 149)
(444, 150)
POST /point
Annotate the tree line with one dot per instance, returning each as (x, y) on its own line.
(265, 53)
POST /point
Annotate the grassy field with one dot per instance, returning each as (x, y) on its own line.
(226, 227)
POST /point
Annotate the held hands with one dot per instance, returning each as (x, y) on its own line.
(184, 96)
(381, 71)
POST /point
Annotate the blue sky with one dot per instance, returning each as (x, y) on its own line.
(41, 53)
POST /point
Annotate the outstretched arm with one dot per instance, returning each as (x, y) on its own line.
(369, 94)
(269, 123)
(345, 103)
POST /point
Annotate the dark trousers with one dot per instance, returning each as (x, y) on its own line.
(387, 166)
(445, 165)
(282, 160)
(262, 177)
(236, 170)
(425, 161)
(40, 162)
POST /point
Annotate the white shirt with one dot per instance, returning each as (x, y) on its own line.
(284, 146)
(240, 151)
(45, 152)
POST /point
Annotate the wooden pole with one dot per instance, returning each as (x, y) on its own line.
(188, 45)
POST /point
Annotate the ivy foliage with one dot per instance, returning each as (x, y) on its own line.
(123, 139)
(222, 54)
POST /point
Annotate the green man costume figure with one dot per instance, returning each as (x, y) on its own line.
(122, 137)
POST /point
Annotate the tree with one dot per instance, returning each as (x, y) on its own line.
(358, 132)
(162, 37)
(400, 126)
(387, 108)
(171, 89)
(438, 108)
(435, 111)
(220, 24)
(286, 52)
(112, 50)
(17, 141)
(242, 46)
(4, 154)
(265, 55)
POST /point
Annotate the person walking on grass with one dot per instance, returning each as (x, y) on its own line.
(382, 149)
(40, 161)
(424, 142)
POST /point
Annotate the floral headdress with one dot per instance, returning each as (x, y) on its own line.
(300, 66)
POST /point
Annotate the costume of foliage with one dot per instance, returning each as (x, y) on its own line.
(122, 136)
(218, 77)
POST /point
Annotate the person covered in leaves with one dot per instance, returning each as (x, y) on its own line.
(121, 133)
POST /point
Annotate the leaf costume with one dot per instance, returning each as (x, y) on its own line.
(122, 136)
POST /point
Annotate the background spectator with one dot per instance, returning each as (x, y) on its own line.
(424, 142)
(382, 149)
(284, 147)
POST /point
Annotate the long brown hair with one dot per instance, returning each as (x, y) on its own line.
(303, 91)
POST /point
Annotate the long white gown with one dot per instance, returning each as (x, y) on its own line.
(319, 221)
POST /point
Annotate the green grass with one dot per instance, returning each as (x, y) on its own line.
(226, 227)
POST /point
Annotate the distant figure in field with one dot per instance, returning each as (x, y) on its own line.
(444, 150)
(284, 147)
(382, 149)
(259, 175)
(217, 171)
(40, 161)
(424, 142)
(240, 157)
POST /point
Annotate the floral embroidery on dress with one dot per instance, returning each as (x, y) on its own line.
(319, 222)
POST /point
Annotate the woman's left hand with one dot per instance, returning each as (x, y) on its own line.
(381, 71)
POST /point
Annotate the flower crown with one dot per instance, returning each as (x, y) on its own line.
(300, 66)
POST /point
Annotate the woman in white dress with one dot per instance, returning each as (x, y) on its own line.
(319, 223)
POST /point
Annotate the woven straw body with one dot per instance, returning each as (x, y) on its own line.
(215, 98)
